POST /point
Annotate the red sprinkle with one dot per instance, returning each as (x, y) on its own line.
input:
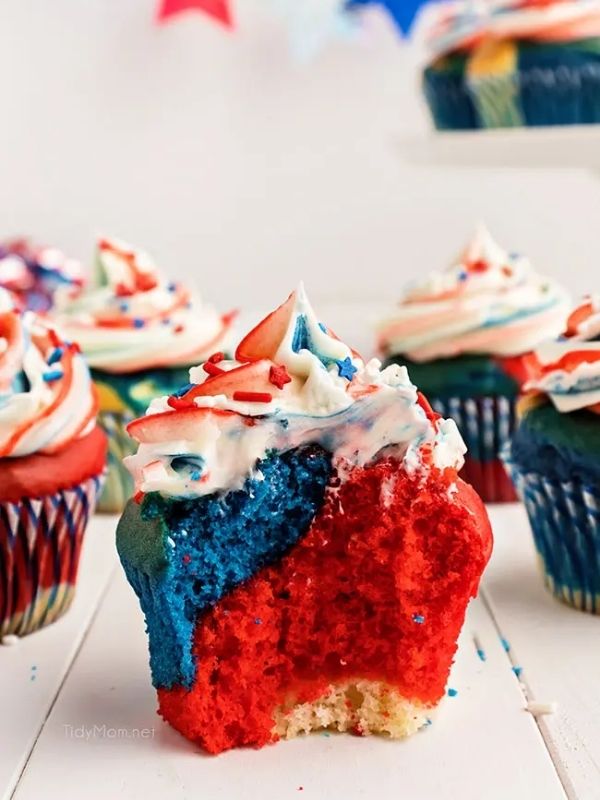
(178, 329)
(278, 376)
(478, 266)
(216, 358)
(74, 347)
(123, 291)
(507, 271)
(211, 369)
(138, 497)
(179, 402)
(54, 337)
(186, 558)
(253, 397)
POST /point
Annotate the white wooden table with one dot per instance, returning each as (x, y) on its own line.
(78, 713)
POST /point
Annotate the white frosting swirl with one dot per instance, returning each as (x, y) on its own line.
(568, 370)
(131, 319)
(46, 396)
(328, 396)
(463, 25)
(489, 302)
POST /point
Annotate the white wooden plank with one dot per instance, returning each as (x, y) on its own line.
(481, 743)
(33, 669)
(557, 647)
(568, 147)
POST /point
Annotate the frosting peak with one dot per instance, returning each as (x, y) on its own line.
(568, 370)
(46, 396)
(130, 318)
(292, 382)
(489, 301)
(33, 274)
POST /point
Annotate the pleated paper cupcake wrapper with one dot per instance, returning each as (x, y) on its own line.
(533, 96)
(40, 544)
(565, 521)
(486, 424)
(118, 487)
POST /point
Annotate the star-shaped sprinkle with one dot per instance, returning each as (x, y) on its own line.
(278, 376)
(346, 368)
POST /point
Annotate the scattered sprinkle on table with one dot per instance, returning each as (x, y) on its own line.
(452, 692)
(517, 671)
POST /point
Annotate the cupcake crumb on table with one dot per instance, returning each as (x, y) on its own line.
(140, 334)
(52, 458)
(463, 334)
(553, 458)
(301, 545)
(514, 64)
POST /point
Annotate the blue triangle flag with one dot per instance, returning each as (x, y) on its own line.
(403, 12)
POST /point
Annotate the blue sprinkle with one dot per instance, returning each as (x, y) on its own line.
(326, 734)
(124, 307)
(481, 654)
(428, 722)
(166, 321)
(172, 287)
(138, 323)
(53, 375)
(55, 356)
(505, 645)
(463, 276)
(346, 368)
(418, 618)
(258, 621)
(33, 666)
(323, 327)
(195, 475)
(452, 692)
(517, 671)
(184, 390)
(33, 677)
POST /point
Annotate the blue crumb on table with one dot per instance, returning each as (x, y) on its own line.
(517, 671)
(452, 692)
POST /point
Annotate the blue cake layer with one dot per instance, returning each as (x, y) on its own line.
(562, 447)
(182, 555)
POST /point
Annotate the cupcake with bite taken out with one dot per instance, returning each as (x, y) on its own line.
(52, 458)
(554, 458)
(301, 545)
(463, 334)
(139, 334)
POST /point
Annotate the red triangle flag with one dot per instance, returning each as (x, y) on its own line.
(218, 9)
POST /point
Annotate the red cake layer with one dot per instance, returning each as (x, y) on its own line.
(377, 589)
(39, 475)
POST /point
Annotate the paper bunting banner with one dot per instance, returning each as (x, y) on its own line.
(313, 24)
(403, 12)
(217, 9)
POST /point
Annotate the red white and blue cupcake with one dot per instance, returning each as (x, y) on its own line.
(52, 458)
(33, 274)
(140, 334)
(300, 543)
(554, 458)
(464, 333)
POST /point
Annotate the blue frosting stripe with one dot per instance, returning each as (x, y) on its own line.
(182, 556)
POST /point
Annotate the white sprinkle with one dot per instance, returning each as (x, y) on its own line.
(171, 542)
(540, 709)
(10, 639)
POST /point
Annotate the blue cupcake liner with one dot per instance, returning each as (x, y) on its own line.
(485, 423)
(565, 521)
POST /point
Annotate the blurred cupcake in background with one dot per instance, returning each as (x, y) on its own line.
(140, 334)
(463, 334)
(554, 458)
(34, 274)
(52, 457)
(514, 63)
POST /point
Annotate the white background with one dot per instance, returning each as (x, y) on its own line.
(232, 162)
